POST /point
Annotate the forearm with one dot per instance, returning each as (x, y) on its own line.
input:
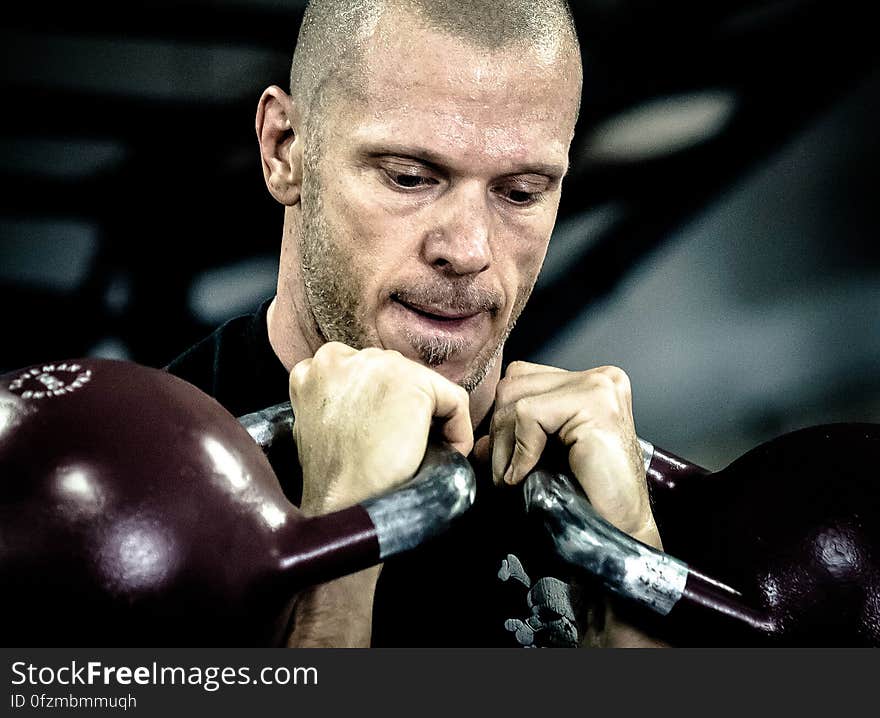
(620, 632)
(336, 614)
(617, 624)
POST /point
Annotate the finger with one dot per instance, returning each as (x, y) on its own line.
(615, 483)
(511, 389)
(523, 368)
(620, 380)
(482, 449)
(520, 430)
(452, 405)
(300, 369)
(513, 440)
(524, 379)
(297, 377)
(503, 443)
(335, 350)
(530, 438)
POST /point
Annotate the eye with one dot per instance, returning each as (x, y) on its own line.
(409, 181)
(523, 190)
(520, 197)
(406, 177)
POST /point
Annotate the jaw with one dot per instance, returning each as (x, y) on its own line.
(453, 345)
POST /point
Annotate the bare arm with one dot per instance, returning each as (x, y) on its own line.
(591, 413)
(362, 424)
(337, 613)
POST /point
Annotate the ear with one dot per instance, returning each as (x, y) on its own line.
(277, 126)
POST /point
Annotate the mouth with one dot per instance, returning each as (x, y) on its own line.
(438, 313)
(438, 319)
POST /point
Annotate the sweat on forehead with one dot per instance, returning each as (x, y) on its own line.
(334, 34)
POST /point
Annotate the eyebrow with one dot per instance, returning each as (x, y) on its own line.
(437, 162)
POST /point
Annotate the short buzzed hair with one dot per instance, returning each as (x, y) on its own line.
(334, 31)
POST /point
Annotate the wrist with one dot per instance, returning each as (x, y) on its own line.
(321, 497)
(649, 534)
(321, 505)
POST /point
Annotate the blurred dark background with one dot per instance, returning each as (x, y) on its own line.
(717, 237)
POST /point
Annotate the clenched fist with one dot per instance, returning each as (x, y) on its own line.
(362, 422)
(591, 413)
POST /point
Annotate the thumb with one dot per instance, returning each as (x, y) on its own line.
(482, 449)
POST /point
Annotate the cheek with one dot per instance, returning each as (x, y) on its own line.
(365, 220)
(531, 259)
(385, 239)
(358, 197)
(526, 256)
(374, 244)
(352, 224)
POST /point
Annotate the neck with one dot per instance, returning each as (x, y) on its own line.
(288, 340)
(291, 336)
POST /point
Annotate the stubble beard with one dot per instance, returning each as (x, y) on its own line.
(331, 292)
(333, 296)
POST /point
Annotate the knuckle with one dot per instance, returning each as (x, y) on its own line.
(371, 353)
(328, 351)
(618, 376)
(599, 379)
(459, 395)
(516, 368)
(299, 373)
(373, 360)
(523, 410)
(523, 448)
(503, 392)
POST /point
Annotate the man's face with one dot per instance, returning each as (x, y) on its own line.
(428, 207)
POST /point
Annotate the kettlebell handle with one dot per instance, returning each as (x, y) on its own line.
(442, 489)
(623, 565)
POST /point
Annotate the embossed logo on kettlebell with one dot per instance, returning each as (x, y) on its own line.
(50, 380)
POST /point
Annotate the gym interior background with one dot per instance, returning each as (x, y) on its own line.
(717, 237)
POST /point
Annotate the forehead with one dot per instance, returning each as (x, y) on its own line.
(425, 86)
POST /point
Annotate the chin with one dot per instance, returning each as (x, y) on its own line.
(472, 375)
(455, 373)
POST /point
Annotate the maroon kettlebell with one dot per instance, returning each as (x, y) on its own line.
(135, 510)
(780, 548)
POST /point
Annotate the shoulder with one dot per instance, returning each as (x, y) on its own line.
(203, 362)
(236, 365)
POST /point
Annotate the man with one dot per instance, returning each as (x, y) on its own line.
(420, 159)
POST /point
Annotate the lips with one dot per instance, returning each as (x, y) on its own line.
(429, 320)
(435, 332)
(439, 313)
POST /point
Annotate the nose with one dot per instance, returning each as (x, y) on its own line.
(459, 240)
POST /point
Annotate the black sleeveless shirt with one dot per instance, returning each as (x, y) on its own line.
(490, 581)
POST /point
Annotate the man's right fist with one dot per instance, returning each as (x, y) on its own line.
(362, 420)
